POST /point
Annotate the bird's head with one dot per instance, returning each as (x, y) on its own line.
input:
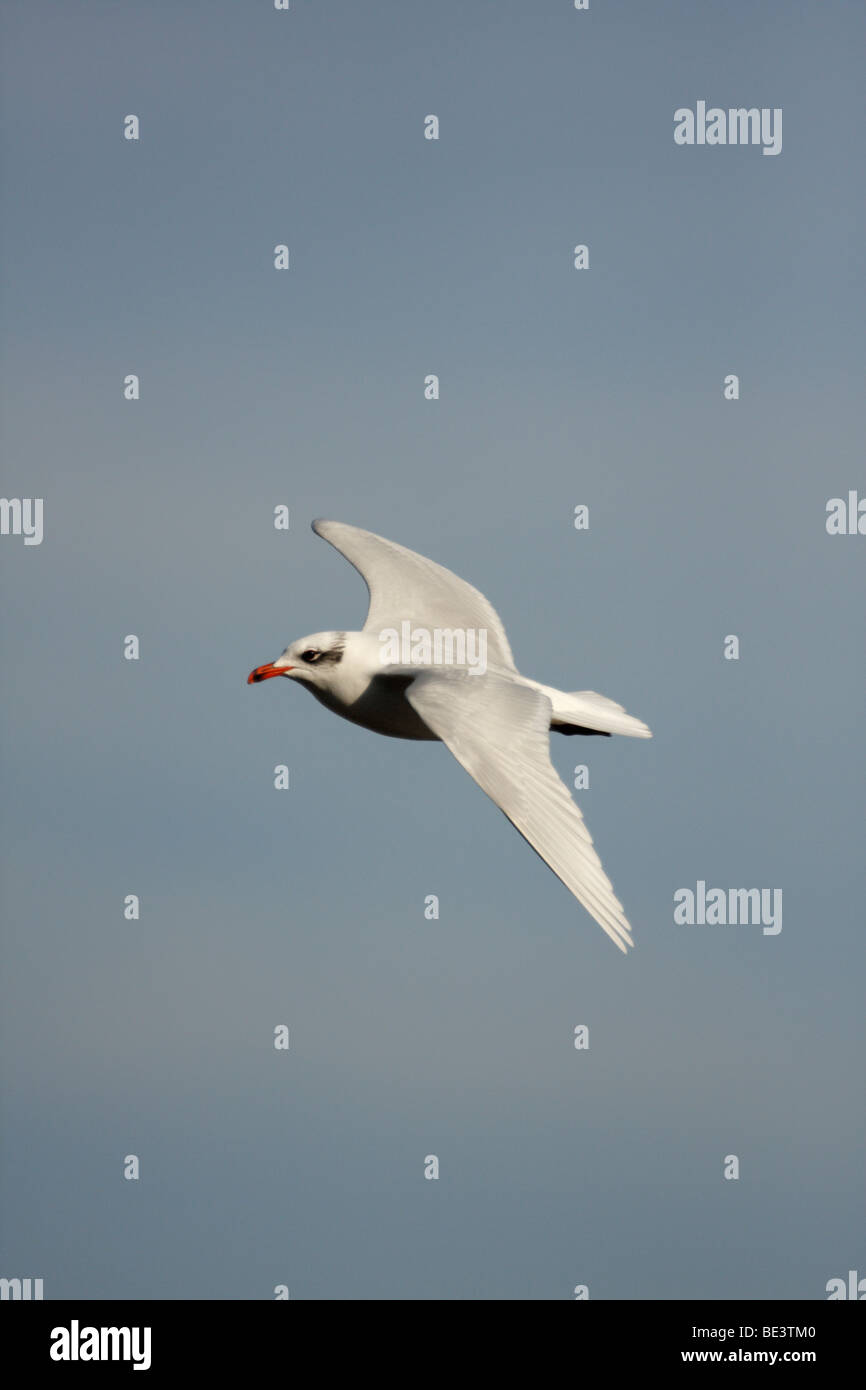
(310, 659)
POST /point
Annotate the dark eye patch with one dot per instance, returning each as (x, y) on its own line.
(330, 657)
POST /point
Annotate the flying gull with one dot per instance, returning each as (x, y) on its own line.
(433, 662)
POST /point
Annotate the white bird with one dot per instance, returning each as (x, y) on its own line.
(395, 678)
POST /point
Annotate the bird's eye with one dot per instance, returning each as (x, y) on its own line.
(310, 655)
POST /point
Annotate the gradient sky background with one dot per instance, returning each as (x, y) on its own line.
(305, 907)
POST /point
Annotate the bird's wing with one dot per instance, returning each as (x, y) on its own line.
(498, 729)
(407, 587)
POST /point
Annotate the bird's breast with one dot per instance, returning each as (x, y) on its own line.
(382, 706)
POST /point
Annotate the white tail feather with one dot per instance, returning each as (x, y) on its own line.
(594, 711)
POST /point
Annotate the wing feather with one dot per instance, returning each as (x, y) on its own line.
(498, 730)
(406, 587)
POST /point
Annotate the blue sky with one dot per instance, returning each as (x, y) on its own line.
(558, 387)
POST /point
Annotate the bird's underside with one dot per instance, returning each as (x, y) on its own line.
(494, 721)
(385, 708)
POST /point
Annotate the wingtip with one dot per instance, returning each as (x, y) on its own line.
(325, 527)
(638, 728)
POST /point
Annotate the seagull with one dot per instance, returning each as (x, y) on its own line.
(396, 678)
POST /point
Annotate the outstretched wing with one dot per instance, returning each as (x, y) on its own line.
(405, 587)
(498, 729)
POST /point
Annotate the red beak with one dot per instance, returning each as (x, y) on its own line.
(264, 673)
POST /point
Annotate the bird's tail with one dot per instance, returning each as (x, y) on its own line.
(586, 712)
